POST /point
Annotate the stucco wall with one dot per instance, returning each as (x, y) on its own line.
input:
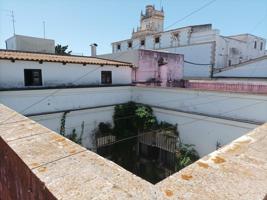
(198, 53)
(52, 100)
(203, 117)
(90, 118)
(203, 132)
(257, 68)
(33, 44)
(148, 66)
(224, 104)
(54, 74)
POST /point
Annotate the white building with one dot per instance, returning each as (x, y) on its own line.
(200, 44)
(38, 70)
(32, 44)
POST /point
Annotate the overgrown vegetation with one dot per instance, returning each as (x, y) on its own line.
(187, 155)
(130, 120)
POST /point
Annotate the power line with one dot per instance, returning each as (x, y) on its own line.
(193, 63)
(132, 137)
(179, 125)
(192, 13)
(42, 99)
(158, 103)
(263, 19)
(236, 109)
(132, 116)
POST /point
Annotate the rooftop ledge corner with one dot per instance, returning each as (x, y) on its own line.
(38, 162)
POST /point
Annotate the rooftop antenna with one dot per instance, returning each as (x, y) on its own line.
(11, 14)
(44, 28)
(13, 22)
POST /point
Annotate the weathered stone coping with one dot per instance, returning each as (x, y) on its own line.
(39, 163)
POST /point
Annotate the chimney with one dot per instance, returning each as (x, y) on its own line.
(93, 49)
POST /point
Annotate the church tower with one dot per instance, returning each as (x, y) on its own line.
(151, 22)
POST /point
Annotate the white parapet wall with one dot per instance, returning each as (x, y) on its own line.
(205, 133)
(56, 100)
(228, 105)
(204, 118)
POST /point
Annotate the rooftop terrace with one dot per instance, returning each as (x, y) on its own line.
(37, 163)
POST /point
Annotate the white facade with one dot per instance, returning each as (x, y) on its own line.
(56, 74)
(196, 43)
(32, 44)
(256, 68)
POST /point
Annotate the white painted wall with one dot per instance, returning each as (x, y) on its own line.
(74, 120)
(186, 37)
(33, 44)
(225, 104)
(232, 105)
(194, 45)
(257, 68)
(52, 100)
(193, 129)
(198, 53)
(203, 133)
(57, 74)
(131, 56)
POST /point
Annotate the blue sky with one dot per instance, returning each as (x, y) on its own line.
(79, 23)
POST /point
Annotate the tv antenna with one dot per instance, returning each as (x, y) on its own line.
(13, 21)
(44, 28)
(11, 12)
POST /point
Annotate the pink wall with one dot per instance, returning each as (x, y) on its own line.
(256, 88)
(148, 67)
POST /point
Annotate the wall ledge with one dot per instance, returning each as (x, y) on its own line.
(40, 164)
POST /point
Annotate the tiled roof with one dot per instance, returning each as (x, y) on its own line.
(44, 57)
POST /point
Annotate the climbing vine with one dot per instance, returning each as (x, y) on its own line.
(62, 123)
(73, 136)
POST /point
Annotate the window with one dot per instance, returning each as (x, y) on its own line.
(130, 44)
(229, 63)
(261, 46)
(118, 47)
(157, 39)
(106, 77)
(255, 45)
(32, 77)
(142, 42)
